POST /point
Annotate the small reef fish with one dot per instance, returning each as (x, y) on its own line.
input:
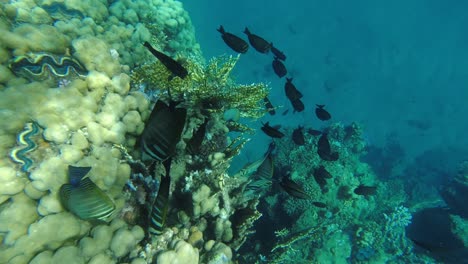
(163, 131)
(234, 42)
(279, 68)
(271, 131)
(279, 54)
(298, 136)
(365, 190)
(172, 65)
(298, 105)
(285, 112)
(321, 175)
(83, 198)
(194, 144)
(25, 145)
(324, 149)
(293, 189)
(160, 205)
(269, 106)
(319, 204)
(259, 44)
(321, 113)
(250, 168)
(262, 178)
(314, 132)
(291, 91)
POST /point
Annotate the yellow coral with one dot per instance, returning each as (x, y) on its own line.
(207, 86)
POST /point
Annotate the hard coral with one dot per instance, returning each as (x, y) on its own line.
(208, 87)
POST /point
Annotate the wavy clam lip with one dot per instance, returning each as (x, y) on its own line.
(42, 66)
(25, 145)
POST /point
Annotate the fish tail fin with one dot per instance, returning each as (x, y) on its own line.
(246, 31)
(289, 79)
(320, 106)
(75, 174)
(221, 29)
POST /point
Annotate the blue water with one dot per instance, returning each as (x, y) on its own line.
(396, 67)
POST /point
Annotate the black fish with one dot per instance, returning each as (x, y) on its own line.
(322, 172)
(285, 112)
(324, 149)
(321, 113)
(365, 190)
(233, 41)
(194, 144)
(160, 205)
(173, 66)
(269, 106)
(298, 136)
(271, 131)
(298, 105)
(293, 189)
(314, 132)
(163, 131)
(291, 91)
(279, 54)
(257, 42)
(279, 68)
(319, 204)
(321, 181)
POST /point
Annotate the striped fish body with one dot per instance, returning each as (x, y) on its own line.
(86, 201)
(293, 189)
(159, 208)
(162, 131)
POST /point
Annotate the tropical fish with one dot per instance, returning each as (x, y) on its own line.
(262, 178)
(322, 172)
(319, 204)
(279, 54)
(83, 198)
(279, 68)
(194, 144)
(269, 106)
(365, 190)
(163, 131)
(285, 112)
(260, 44)
(321, 175)
(321, 113)
(233, 41)
(251, 168)
(298, 105)
(172, 65)
(324, 149)
(291, 91)
(298, 136)
(314, 132)
(160, 205)
(271, 131)
(293, 189)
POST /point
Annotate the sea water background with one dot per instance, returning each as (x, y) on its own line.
(390, 65)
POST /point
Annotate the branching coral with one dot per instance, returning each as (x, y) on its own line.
(207, 86)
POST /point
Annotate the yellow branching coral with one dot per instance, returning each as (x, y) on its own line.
(207, 86)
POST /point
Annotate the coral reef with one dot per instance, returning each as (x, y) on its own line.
(67, 98)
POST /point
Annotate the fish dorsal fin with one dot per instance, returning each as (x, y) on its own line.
(76, 174)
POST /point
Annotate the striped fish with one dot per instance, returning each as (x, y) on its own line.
(162, 131)
(160, 205)
(83, 198)
(262, 178)
(293, 189)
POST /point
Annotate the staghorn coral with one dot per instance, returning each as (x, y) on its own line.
(208, 86)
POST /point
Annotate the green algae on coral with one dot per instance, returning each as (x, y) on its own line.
(207, 86)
